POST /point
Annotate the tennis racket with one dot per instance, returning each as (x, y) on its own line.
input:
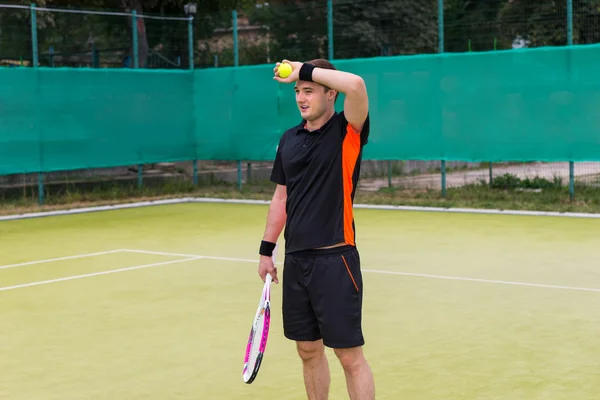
(257, 341)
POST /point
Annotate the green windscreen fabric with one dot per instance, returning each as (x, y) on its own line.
(521, 105)
(62, 119)
(236, 114)
(512, 105)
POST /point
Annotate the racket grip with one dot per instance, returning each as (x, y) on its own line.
(269, 278)
(275, 252)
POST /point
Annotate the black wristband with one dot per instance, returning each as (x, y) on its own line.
(266, 248)
(305, 73)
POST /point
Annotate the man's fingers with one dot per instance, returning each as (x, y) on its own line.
(282, 80)
(265, 268)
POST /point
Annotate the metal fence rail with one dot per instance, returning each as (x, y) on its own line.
(58, 37)
(335, 29)
(344, 29)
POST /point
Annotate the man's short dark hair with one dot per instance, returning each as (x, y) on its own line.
(323, 63)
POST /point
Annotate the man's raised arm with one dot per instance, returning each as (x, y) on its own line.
(356, 104)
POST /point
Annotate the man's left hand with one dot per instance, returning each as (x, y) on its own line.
(293, 77)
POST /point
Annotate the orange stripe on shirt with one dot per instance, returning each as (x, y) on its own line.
(350, 152)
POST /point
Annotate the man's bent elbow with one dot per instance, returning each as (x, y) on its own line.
(358, 85)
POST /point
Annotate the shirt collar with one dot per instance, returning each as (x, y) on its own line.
(301, 127)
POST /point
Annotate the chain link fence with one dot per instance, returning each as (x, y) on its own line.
(15, 36)
(265, 32)
(68, 37)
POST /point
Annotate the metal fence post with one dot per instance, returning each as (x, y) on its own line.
(330, 29)
(441, 50)
(195, 172)
(570, 43)
(490, 167)
(51, 56)
(35, 62)
(236, 52)
(570, 22)
(134, 35)
(236, 63)
(41, 188)
(34, 39)
(140, 177)
(191, 66)
(191, 42)
(440, 26)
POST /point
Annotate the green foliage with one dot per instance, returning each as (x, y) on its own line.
(544, 23)
(470, 20)
(512, 182)
(298, 28)
(386, 27)
(88, 193)
(297, 31)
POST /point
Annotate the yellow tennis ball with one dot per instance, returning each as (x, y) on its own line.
(285, 70)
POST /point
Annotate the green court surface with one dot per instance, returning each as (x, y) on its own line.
(119, 305)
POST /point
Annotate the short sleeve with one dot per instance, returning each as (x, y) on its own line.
(364, 134)
(277, 173)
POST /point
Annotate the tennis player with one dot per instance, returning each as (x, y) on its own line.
(316, 170)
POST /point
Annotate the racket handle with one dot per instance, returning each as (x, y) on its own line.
(269, 278)
(275, 252)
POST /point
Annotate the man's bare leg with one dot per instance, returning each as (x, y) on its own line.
(316, 369)
(359, 378)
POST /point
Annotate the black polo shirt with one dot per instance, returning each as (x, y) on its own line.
(320, 170)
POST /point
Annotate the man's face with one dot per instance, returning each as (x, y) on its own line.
(312, 99)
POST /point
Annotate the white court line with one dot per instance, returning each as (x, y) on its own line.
(190, 257)
(112, 271)
(162, 253)
(373, 271)
(266, 202)
(100, 253)
(460, 278)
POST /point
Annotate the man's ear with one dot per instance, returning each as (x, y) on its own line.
(332, 94)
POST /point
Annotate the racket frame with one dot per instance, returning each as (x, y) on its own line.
(263, 310)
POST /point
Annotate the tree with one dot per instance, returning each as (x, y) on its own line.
(296, 30)
(544, 23)
(470, 24)
(77, 32)
(364, 28)
(386, 27)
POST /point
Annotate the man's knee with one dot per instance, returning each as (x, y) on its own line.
(310, 351)
(351, 359)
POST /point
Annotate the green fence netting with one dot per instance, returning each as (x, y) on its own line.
(522, 105)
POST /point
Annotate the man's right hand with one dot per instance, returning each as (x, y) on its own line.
(266, 266)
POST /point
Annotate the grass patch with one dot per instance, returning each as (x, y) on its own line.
(587, 199)
(506, 192)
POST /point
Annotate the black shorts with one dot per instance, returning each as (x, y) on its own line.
(322, 297)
